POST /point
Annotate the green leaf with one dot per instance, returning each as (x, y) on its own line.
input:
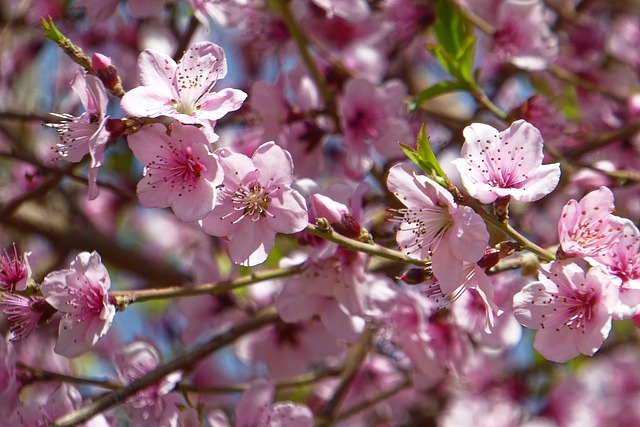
(448, 26)
(429, 158)
(425, 158)
(51, 31)
(456, 43)
(465, 61)
(438, 89)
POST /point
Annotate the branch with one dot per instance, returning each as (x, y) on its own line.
(282, 6)
(368, 248)
(183, 362)
(297, 381)
(354, 360)
(368, 403)
(38, 374)
(125, 298)
(508, 230)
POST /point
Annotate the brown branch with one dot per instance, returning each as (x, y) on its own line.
(355, 358)
(183, 362)
(127, 297)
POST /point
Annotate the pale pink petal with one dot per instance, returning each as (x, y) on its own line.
(219, 104)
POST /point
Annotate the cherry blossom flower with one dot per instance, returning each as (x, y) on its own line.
(338, 290)
(154, 405)
(505, 164)
(46, 407)
(255, 201)
(25, 313)
(432, 224)
(570, 309)
(622, 262)
(81, 294)
(179, 171)
(588, 228)
(523, 36)
(622, 39)
(255, 409)
(86, 134)
(372, 118)
(183, 90)
(289, 349)
(15, 271)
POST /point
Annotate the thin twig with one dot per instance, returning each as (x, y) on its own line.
(368, 248)
(141, 295)
(353, 363)
(186, 361)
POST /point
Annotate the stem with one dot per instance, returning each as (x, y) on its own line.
(125, 298)
(297, 381)
(185, 361)
(354, 360)
(367, 403)
(283, 7)
(38, 374)
(367, 248)
(484, 100)
(510, 231)
(554, 69)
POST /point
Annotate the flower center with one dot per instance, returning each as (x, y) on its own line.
(428, 225)
(181, 168)
(252, 200)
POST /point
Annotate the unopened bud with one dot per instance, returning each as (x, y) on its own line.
(106, 72)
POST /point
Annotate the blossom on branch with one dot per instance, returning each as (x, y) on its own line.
(255, 201)
(505, 164)
(432, 224)
(86, 134)
(182, 90)
(81, 294)
(154, 405)
(15, 271)
(588, 228)
(570, 309)
(179, 171)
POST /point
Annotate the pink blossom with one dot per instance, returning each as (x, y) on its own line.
(86, 134)
(372, 118)
(570, 309)
(288, 349)
(588, 228)
(255, 409)
(338, 290)
(81, 294)
(622, 39)
(44, 409)
(255, 201)
(15, 271)
(154, 405)
(24, 314)
(622, 262)
(432, 224)
(180, 172)
(432, 343)
(523, 36)
(183, 90)
(505, 164)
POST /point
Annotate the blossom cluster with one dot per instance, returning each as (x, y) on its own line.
(297, 213)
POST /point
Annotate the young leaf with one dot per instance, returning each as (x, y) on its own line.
(438, 89)
(51, 31)
(425, 159)
(428, 157)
